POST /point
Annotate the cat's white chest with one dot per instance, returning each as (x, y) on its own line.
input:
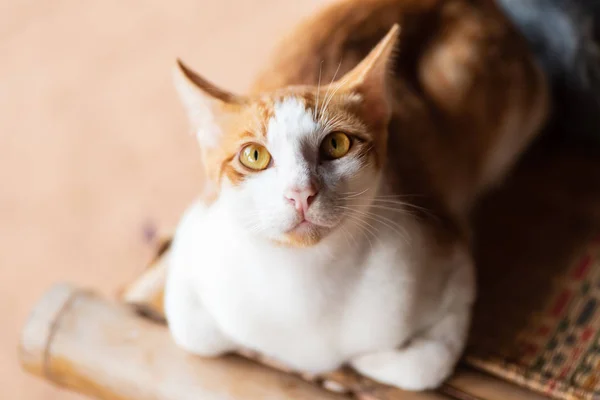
(297, 306)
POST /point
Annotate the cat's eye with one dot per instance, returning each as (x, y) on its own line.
(255, 157)
(335, 145)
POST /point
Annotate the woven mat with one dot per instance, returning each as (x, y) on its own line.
(537, 320)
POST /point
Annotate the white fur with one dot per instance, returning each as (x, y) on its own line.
(371, 293)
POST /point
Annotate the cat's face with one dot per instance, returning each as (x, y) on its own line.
(297, 164)
(294, 173)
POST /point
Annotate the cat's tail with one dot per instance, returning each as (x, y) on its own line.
(565, 37)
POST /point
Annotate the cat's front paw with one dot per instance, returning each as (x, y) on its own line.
(200, 337)
(422, 365)
(192, 327)
(197, 337)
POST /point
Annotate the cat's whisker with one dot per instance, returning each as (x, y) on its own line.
(407, 205)
(402, 230)
(393, 201)
(354, 194)
(345, 232)
(366, 152)
(396, 201)
(399, 209)
(349, 233)
(362, 229)
(329, 122)
(318, 91)
(322, 112)
(353, 238)
(338, 85)
(396, 227)
(385, 196)
(368, 212)
(366, 225)
(328, 99)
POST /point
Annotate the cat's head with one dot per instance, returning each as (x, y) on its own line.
(295, 164)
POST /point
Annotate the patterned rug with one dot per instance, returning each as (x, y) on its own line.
(537, 322)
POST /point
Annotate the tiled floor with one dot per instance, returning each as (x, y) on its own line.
(93, 144)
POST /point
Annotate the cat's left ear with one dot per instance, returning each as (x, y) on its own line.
(208, 107)
(370, 77)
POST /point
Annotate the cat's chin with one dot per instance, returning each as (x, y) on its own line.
(305, 234)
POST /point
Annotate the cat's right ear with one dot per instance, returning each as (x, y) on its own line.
(207, 106)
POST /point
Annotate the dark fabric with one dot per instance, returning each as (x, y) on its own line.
(564, 36)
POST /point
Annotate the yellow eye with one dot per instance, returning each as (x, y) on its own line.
(335, 145)
(255, 157)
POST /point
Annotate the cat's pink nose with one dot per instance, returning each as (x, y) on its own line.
(301, 198)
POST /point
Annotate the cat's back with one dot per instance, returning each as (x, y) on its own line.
(334, 40)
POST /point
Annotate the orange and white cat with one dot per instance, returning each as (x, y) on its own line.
(334, 227)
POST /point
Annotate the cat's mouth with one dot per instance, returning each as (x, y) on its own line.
(305, 233)
(305, 226)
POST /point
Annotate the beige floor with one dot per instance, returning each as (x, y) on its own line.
(93, 144)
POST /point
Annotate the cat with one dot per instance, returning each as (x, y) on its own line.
(333, 228)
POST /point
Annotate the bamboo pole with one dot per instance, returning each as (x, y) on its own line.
(145, 294)
(79, 341)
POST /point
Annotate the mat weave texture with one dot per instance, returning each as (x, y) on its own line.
(537, 320)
